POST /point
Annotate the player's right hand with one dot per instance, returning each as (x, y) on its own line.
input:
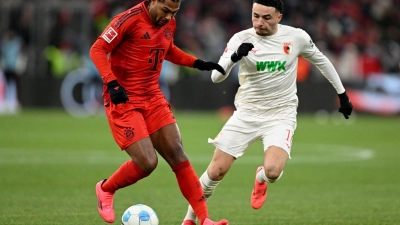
(117, 92)
(243, 50)
(203, 65)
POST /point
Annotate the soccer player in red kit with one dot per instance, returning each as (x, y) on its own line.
(129, 56)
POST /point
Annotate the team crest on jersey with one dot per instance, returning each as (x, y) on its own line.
(109, 35)
(168, 33)
(287, 47)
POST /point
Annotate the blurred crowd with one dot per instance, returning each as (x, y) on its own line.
(360, 37)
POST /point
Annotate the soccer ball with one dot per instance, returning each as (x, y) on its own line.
(139, 214)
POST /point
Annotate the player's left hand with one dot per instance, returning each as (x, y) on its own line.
(243, 50)
(203, 65)
(345, 105)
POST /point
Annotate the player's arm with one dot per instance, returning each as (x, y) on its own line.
(313, 55)
(108, 40)
(177, 56)
(234, 51)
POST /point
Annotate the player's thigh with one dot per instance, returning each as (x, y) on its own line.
(277, 139)
(278, 133)
(167, 141)
(127, 124)
(236, 135)
(219, 165)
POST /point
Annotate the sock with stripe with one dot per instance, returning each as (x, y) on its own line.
(191, 189)
(208, 187)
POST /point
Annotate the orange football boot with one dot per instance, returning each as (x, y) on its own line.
(259, 193)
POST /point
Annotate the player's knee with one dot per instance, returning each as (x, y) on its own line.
(149, 165)
(216, 173)
(273, 173)
(175, 156)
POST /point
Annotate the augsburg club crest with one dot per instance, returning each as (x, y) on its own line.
(287, 47)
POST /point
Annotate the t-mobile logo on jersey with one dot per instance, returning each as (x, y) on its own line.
(109, 35)
(156, 59)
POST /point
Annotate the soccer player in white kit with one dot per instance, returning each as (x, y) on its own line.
(266, 101)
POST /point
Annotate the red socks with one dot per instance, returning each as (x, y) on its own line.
(127, 174)
(191, 189)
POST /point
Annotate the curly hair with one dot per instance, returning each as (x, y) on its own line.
(277, 4)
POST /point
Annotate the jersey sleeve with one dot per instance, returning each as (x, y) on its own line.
(179, 57)
(106, 43)
(225, 59)
(310, 52)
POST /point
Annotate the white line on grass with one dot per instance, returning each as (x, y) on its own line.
(301, 153)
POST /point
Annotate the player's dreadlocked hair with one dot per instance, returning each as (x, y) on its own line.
(277, 4)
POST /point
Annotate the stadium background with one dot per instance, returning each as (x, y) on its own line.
(360, 37)
(342, 171)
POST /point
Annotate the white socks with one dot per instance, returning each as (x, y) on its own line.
(261, 177)
(208, 186)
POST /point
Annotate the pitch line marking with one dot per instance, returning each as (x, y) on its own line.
(301, 153)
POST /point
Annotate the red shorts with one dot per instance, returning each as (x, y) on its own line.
(135, 120)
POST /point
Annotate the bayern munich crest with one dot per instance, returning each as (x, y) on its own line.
(168, 33)
(129, 133)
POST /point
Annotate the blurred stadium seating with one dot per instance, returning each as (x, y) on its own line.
(360, 37)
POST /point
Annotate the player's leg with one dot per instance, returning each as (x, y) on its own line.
(143, 162)
(274, 161)
(131, 135)
(231, 143)
(277, 143)
(166, 138)
(167, 141)
(217, 169)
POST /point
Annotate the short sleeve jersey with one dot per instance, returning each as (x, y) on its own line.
(137, 49)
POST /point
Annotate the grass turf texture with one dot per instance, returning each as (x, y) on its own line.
(345, 173)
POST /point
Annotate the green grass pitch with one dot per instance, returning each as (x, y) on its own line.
(341, 172)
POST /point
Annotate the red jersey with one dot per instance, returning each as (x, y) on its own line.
(136, 49)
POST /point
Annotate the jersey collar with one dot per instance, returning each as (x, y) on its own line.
(145, 9)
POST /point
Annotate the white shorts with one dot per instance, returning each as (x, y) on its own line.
(274, 128)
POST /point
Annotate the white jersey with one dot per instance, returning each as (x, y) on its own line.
(267, 76)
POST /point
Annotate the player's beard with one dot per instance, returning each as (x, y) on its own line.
(153, 15)
(161, 22)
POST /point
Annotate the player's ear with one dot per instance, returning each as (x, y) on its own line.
(280, 17)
